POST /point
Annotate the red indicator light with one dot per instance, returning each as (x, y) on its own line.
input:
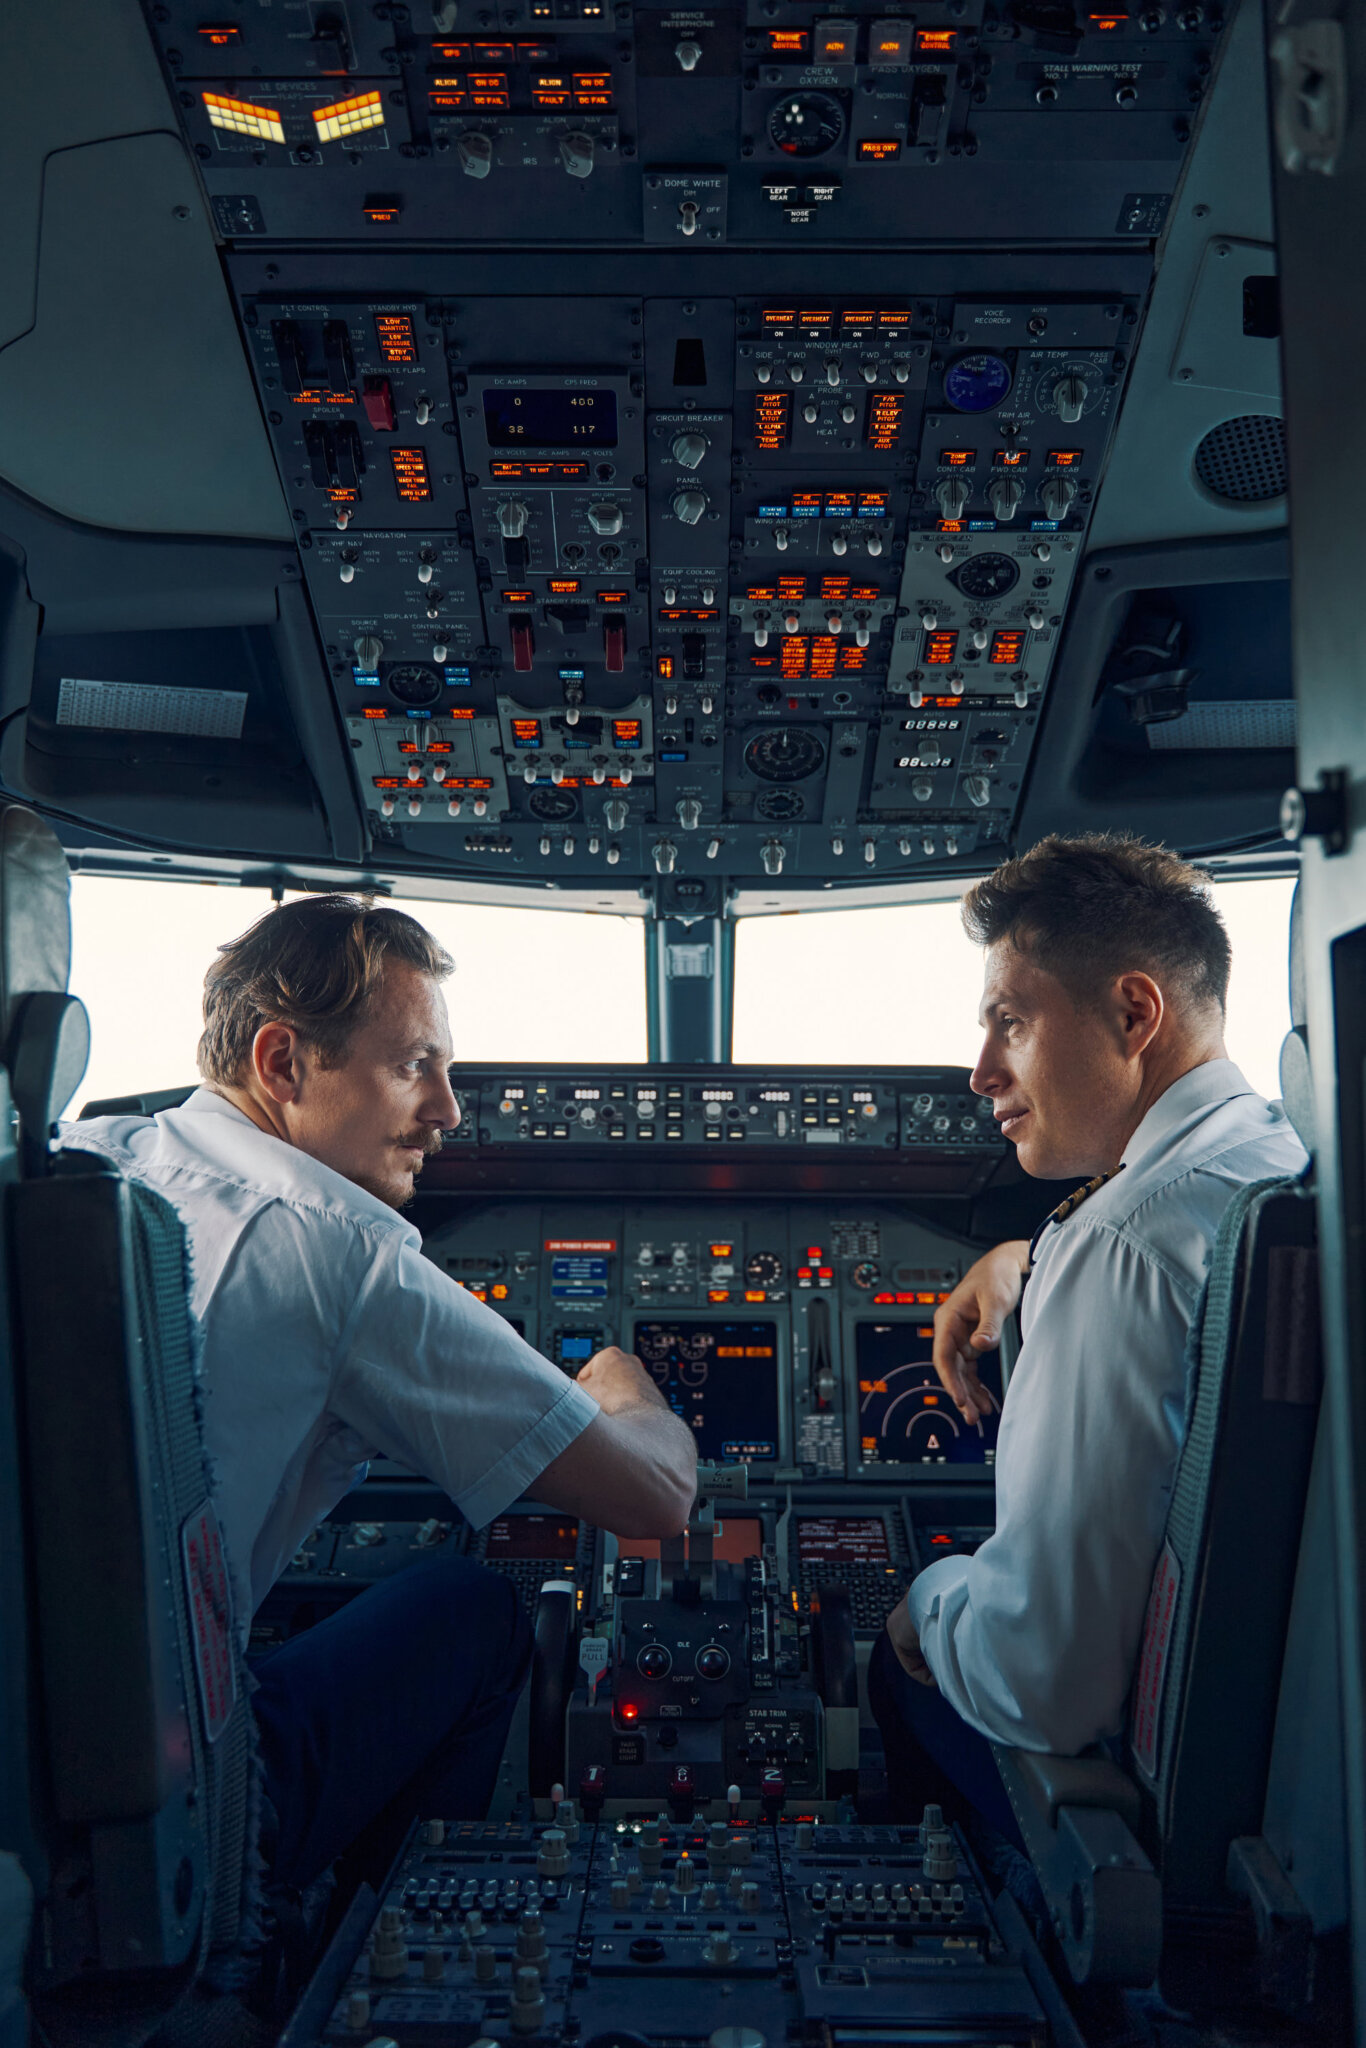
(940, 647)
(626, 732)
(612, 596)
(958, 458)
(220, 35)
(788, 42)
(1007, 647)
(411, 478)
(783, 316)
(935, 42)
(630, 1713)
(772, 419)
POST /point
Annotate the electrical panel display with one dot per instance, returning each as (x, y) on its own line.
(905, 1417)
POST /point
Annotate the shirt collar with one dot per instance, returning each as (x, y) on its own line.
(1203, 1087)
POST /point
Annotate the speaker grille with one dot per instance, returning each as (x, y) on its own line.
(1243, 461)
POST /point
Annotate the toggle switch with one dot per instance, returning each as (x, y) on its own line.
(576, 153)
(687, 214)
(839, 544)
(688, 53)
(476, 153)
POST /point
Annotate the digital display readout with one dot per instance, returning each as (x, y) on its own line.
(722, 1379)
(550, 419)
(531, 1536)
(905, 1416)
(842, 1539)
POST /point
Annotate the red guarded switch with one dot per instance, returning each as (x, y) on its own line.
(614, 645)
(377, 396)
(523, 644)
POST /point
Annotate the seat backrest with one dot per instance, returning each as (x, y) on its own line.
(138, 1841)
(1204, 1699)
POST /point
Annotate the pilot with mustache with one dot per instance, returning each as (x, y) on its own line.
(327, 1338)
(1107, 971)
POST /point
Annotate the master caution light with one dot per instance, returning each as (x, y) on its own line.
(349, 117)
(244, 117)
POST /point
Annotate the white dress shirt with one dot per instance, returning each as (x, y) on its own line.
(1033, 1640)
(328, 1337)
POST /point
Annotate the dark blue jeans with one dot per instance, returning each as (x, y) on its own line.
(396, 1708)
(932, 1754)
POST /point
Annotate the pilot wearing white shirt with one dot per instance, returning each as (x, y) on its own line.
(327, 1338)
(1106, 976)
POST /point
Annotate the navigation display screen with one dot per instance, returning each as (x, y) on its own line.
(722, 1378)
(531, 1536)
(842, 1539)
(550, 419)
(905, 1416)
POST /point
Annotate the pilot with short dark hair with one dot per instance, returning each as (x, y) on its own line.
(328, 1338)
(1107, 971)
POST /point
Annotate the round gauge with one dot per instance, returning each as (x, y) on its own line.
(763, 1269)
(694, 1348)
(692, 1372)
(414, 683)
(806, 123)
(866, 1273)
(986, 576)
(785, 753)
(976, 383)
(553, 803)
(781, 803)
(652, 1344)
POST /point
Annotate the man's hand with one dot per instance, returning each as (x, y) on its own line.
(617, 1381)
(971, 1320)
(906, 1643)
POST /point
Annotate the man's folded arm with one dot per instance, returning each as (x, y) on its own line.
(634, 1473)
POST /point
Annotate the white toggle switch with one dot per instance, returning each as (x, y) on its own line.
(870, 852)
(811, 412)
(481, 805)
(476, 154)
(688, 53)
(687, 214)
(439, 650)
(415, 807)
(453, 807)
(780, 539)
(347, 572)
(832, 373)
(874, 543)
(424, 572)
(839, 544)
(980, 637)
(834, 622)
(422, 411)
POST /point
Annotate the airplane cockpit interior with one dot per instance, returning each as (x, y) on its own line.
(690, 462)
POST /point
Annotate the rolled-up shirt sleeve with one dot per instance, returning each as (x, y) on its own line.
(1034, 1638)
(429, 1376)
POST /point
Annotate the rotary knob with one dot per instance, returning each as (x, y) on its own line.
(605, 518)
(773, 853)
(367, 650)
(576, 153)
(977, 790)
(688, 449)
(1069, 397)
(476, 154)
(665, 854)
(689, 506)
(951, 495)
(689, 812)
(512, 518)
(1056, 494)
(614, 814)
(1005, 494)
(688, 53)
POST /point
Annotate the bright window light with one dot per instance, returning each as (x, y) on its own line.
(901, 987)
(549, 985)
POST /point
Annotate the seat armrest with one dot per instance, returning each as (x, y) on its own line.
(1051, 1782)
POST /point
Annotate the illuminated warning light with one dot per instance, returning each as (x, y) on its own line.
(753, 1294)
(721, 1251)
(816, 318)
(718, 1294)
(383, 211)
(958, 458)
(1064, 458)
(564, 586)
(780, 316)
(1108, 23)
(935, 42)
(612, 596)
(788, 42)
(526, 732)
(872, 504)
(220, 35)
(592, 81)
(1007, 647)
(445, 100)
(839, 504)
(493, 53)
(550, 92)
(515, 596)
(834, 589)
(488, 81)
(1011, 458)
(882, 425)
(858, 317)
(940, 647)
(894, 317)
(795, 650)
(602, 100)
(374, 711)
(628, 1712)
(412, 480)
(792, 587)
(664, 668)
(626, 732)
(951, 526)
(349, 117)
(397, 341)
(241, 117)
(879, 149)
(438, 746)
(762, 593)
(489, 99)
(398, 782)
(772, 419)
(452, 53)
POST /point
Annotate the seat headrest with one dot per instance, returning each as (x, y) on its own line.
(1297, 1079)
(35, 911)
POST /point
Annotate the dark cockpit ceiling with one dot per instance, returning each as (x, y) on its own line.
(692, 458)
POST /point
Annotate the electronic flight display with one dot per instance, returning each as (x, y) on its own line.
(905, 1416)
(513, 1536)
(549, 418)
(722, 1378)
